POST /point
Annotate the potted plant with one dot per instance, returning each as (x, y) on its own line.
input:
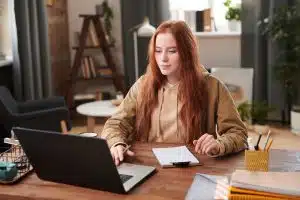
(257, 112)
(244, 110)
(233, 15)
(107, 12)
(283, 28)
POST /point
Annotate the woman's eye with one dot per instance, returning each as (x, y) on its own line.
(157, 51)
(172, 51)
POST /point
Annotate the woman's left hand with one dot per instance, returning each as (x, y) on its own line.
(207, 144)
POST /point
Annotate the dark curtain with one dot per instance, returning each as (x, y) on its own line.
(133, 13)
(259, 52)
(32, 68)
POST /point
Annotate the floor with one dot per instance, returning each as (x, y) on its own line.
(282, 137)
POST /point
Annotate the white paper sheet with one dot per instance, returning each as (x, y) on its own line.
(166, 156)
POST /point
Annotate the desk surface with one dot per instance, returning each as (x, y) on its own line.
(103, 108)
(171, 183)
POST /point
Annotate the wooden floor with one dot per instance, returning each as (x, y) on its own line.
(283, 138)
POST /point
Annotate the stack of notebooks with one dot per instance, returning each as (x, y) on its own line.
(264, 185)
(244, 185)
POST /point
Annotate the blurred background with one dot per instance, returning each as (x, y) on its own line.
(251, 45)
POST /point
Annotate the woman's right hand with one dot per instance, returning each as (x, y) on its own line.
(117, 153)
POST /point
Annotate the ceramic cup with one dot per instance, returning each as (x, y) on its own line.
(88, 134)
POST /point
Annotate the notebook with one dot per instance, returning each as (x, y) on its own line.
(175, 156)
(287, 183)
(207, 186)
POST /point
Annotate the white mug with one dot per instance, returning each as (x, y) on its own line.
(88, 134)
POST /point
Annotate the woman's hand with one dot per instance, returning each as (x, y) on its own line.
(117, 153)
(207, 144)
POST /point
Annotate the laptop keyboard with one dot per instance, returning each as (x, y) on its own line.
(125, 177)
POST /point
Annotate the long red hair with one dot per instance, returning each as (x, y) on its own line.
(192, 91)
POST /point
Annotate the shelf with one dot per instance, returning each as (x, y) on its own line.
(84, 97)
(91, 47)
(87, 47)
(91, 15)
(102, 67)
(84, 64)
(217, 34)
(95, 78)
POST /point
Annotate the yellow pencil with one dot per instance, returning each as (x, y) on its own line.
(269, 145)
(268, 137)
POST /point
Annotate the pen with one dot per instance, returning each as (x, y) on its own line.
(256, 147)
(268, 137)
(270, 144)
(127, 148)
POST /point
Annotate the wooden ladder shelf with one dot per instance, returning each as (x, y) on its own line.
(104, 45)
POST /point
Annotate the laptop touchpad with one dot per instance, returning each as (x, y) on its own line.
(125, 177)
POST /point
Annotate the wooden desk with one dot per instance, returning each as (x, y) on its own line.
(171, 183)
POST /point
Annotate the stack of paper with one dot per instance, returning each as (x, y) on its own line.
(167, 156)
(255, 185)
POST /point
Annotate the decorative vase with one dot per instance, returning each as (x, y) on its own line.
(234, 26)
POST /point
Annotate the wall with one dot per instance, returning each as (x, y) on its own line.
(219, 49)
(5, 36)
(88, 7)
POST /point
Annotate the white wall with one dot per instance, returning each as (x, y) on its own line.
(76, 7)
(219, 49)
(5, 35)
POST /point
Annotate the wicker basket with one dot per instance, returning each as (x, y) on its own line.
(17, 156)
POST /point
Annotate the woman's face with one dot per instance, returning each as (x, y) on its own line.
(167, 56)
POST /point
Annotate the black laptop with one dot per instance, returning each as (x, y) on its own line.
(78, 160)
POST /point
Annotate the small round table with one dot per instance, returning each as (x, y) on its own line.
(103, 108)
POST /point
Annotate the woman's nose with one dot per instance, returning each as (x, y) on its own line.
(164, 56)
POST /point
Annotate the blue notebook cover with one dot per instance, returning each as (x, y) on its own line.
(205, 187)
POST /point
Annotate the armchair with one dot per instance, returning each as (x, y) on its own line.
(44, 114)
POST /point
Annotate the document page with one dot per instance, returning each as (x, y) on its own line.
(169, 155)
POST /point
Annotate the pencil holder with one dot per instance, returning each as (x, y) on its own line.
(257, 160)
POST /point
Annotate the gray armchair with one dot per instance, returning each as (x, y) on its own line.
(45, 114)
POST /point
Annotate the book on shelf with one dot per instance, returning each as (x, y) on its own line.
(104, 72)
(88, 69)
(83, 69)
(93, 35)
(92, 66)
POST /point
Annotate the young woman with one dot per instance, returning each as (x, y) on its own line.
(176, 101)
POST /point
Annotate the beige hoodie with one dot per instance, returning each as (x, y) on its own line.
(166, 126)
